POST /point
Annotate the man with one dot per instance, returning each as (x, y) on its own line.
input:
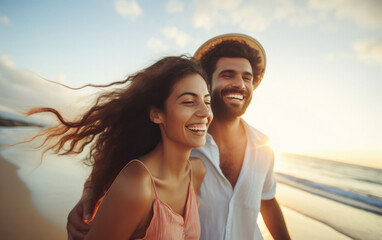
(238, 159)
(239, 182)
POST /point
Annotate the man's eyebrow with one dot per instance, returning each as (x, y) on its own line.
(226, 71)
(187, 93)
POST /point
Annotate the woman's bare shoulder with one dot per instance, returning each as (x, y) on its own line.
(134, 182)
(128, 201)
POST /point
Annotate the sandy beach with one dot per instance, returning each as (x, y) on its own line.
(19, 218)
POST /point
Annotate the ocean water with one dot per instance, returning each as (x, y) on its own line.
(344, 197)
(356, 186)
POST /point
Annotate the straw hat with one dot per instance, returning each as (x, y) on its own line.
(234, 36)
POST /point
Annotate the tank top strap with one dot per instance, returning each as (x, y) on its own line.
(151, 176)
(189, 164)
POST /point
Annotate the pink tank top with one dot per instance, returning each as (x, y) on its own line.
(167, 224)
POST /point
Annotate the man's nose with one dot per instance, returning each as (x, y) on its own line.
(238, 82)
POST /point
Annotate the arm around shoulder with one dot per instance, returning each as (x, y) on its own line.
(82, 212)
(127, 202)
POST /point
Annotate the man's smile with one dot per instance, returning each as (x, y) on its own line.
(235, 96)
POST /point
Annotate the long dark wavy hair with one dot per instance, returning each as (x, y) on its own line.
(117, 126)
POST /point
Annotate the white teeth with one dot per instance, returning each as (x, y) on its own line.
(235, 96)
(198, 128)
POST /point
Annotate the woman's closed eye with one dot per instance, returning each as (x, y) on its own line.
(188, 102)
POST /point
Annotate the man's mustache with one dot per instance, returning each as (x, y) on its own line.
(234, 90)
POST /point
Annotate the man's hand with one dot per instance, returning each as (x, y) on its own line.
(83, 210)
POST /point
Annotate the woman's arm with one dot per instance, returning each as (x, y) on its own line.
(128, 201)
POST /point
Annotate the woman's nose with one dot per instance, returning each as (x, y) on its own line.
(204, 110)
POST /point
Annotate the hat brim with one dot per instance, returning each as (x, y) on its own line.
(238, 37)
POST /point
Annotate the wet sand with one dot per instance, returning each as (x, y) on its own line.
(19, 218)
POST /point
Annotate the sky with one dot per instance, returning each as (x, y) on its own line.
(321, 92)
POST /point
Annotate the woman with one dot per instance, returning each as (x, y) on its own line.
(143, 135)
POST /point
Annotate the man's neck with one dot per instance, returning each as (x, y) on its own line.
(225, 130)
(231, 140)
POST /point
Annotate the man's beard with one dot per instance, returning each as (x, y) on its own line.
(227, 111)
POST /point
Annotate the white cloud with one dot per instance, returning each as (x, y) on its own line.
(4, 20)
(247, 20)
(6, 61)
(298, 15)
(22, 90)
(203, 19)
(250, 16)
(156, 45)
(181, 38)
(365, 13)
(208, 13)
(369, 49)
(258, 15)
(62, 78)
(129, 9)
(174, 6)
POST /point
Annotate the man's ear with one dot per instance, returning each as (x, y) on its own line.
(156, 115)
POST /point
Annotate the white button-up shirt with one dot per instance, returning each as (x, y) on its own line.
(231, 214)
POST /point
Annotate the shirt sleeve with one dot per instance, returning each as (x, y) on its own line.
(269, 188)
